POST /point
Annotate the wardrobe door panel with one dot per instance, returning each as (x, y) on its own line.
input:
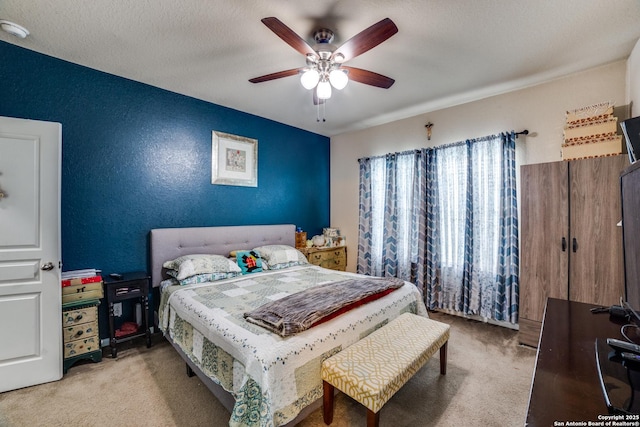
(596, 269)
(544, 224)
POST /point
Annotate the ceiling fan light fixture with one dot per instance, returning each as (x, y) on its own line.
(338, 58)
(324, 90)
(338, 79)
(312, 59)
(310, 78)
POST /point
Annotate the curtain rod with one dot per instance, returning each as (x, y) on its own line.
(522, 132)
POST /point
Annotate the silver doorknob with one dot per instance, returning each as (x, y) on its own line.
(47, 267)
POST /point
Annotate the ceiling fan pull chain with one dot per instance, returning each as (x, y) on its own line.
(318, 105)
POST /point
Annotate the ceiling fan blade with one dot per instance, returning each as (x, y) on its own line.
(367, 39)
(369, 77)
(288, 35)
(277, 75)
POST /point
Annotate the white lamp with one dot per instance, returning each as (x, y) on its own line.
(338, 79)
(310, 78)
(324, 90)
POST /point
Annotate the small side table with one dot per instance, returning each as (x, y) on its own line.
(334, 258)
(130, 286)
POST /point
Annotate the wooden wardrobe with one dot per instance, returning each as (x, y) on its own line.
(570, 241)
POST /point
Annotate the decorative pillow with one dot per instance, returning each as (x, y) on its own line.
(281, 256)
(249, 261)
(232, 254)
(201, 278)
(191, 265)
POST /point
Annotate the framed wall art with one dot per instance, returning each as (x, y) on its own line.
(234, 160)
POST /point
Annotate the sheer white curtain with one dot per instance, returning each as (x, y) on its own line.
(451, 169)
(378, 186)
(469, 213)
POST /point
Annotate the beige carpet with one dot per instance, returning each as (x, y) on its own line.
(487, 384)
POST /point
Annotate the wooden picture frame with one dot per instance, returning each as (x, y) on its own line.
(234, 160)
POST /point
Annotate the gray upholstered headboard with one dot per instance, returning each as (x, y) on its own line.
(170, 243)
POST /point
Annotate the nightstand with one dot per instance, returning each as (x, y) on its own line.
(130, 286)
(334, 258)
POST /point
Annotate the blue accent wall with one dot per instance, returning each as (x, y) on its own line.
(136, 157)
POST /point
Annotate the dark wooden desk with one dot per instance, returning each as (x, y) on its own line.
(565, 382)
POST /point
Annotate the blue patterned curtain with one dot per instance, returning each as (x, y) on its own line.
(387, 209)
(365, 220)
(507, 279)
(446, 219)
(426, 274)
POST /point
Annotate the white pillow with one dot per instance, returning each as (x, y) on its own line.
(279, 256)
(191, 265)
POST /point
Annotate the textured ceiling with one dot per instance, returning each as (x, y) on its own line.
(445, 53)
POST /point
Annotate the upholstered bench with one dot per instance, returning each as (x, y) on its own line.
(376, 367)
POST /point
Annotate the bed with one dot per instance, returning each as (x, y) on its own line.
(262, 378)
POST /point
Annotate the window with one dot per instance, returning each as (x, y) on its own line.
(446, 219)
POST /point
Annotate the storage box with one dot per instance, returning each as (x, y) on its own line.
(597, 148)
(76, 289)
(595, 129)
(83, 296)
(592, 112)
(81, 280)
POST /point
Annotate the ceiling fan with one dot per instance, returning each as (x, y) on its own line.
(325, 68)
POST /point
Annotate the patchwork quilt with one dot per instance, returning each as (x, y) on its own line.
(271, 378)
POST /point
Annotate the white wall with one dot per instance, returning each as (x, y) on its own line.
(540, 109)
(633, 80)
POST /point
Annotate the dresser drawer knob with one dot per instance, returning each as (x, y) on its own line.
(79, 317)
(79, 333)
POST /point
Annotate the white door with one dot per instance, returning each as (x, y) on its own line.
(30, 295)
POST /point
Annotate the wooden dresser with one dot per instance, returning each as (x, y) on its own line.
(332, 258)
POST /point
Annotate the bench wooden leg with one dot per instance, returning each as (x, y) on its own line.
(327, 402)
(373, 418)
(443, 359)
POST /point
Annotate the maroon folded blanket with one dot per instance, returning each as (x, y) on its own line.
(303, 310)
